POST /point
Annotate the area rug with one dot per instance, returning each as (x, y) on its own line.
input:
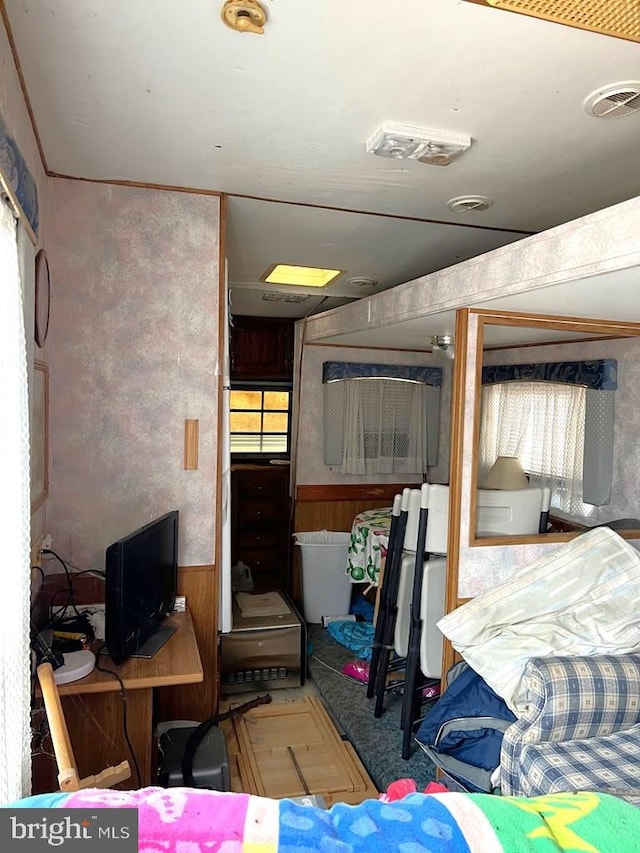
(378, 742)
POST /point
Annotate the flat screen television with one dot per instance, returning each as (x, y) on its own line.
(140, 589)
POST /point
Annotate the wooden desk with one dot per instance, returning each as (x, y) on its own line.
(94, 708)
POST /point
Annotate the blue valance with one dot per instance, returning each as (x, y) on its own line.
(600, 374)
(17, 173)
(334, 370)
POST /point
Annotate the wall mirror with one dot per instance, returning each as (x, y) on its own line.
(596, 366)
(39, 440)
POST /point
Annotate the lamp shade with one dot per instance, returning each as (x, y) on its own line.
(506, 473)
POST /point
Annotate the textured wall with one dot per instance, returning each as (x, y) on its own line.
(133, 345)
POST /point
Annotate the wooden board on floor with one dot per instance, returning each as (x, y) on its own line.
(288, 749)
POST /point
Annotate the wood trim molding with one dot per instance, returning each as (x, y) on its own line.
(455, 478)
(351, 492)
(191, 441)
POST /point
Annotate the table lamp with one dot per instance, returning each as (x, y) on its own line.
(506, 473)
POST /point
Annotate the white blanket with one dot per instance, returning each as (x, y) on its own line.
(583, 599)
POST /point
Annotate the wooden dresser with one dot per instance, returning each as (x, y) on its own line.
(260, 524)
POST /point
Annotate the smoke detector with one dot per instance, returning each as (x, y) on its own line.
(406, 141)
(617, 100)
(465, 203)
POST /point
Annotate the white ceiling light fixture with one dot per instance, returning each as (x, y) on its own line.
(616, 100)
(443, 344)
(469, 203)
(408, 142)
(299, 276)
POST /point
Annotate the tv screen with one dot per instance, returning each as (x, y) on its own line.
(140, 588)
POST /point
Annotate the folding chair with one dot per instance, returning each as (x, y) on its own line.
(396, 592)
(427, 603)
(68, 777)
(388, 588)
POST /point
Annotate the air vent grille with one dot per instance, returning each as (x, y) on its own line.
(619, 18)
(361, 282)
(617, 101)
(466, 203)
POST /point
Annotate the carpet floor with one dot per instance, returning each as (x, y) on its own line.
(378, 742)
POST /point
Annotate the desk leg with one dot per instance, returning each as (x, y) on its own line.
(96, 727)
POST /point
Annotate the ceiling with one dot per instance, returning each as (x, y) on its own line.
(168, 95)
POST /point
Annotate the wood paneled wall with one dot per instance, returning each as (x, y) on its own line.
(199, 585)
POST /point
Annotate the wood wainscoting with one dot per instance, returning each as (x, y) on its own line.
(199, 585)
(333, 507)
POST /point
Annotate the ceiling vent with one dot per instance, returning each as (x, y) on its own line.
(361, 282)
(466, 203)
(615, 101)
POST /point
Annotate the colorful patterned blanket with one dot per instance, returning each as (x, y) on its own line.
(186, 820)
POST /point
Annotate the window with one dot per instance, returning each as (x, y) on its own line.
(558, 418)
(259, 421)
(381, 419)
(542, 423)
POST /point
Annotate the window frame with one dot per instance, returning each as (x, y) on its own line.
(262, 387)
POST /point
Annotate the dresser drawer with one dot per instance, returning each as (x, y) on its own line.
(260, 561)
(260, 536)
(263, 486)
(257, 510)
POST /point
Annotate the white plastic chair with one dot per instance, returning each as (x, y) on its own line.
(432, 605)
(421, 602)
(437, 504)
(512, 512)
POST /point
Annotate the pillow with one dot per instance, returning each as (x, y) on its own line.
(581, 599)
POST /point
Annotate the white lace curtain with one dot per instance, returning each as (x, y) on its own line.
(543, 424)
(381, 425)
(15, 760)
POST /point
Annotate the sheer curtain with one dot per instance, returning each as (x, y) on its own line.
(385, 429)
(543, 424)
(15, 762)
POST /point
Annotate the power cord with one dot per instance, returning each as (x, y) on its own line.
(123, 694)
(70, 599)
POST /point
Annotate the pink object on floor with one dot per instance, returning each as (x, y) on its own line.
(357, 669)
